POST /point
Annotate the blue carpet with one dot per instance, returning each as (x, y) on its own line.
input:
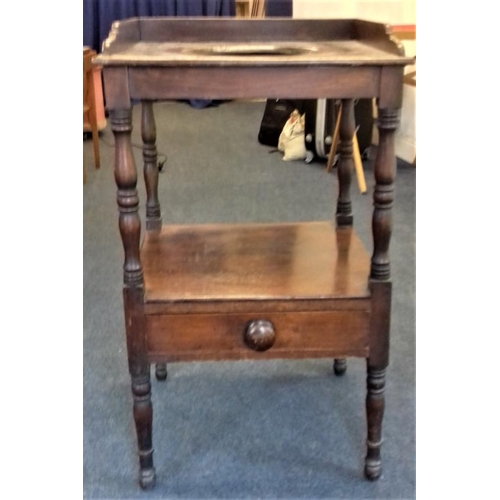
(235, 430)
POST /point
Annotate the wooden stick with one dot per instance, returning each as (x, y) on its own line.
(358, 164)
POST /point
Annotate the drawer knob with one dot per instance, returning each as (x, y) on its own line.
(259, 335)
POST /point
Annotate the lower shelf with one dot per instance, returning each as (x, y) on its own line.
(213, 267)
(205, 284)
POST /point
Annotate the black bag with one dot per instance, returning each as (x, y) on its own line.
(363, 114)
(276, 114)
(320, 123)
(321, 115)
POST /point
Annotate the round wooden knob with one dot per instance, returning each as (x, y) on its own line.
(260, 335)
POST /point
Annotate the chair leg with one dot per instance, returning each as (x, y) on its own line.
(339, 366)
(375, 403)
(143, 417)
(95, 138)
(161, 371)
(93, 123)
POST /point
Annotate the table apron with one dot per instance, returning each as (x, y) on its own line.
(161, 83)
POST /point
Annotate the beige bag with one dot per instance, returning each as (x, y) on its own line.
(291, 141)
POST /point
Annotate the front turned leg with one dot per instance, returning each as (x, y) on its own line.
(133, 292)
(339, 366)
(143, 417)
(381, 288)
(161, 371)
(375, 404)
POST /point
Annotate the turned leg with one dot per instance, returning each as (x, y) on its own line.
(339, 366)
(344, 205)
(143, 417)
(161, 371)
(133, 291)
(150, 156)
(346, 163)
(381, 287)
(383, 196)
(375, 404)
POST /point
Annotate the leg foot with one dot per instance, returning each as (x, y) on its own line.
(373, 469)
(161, 371)
(339, 366)
(143, 416)
(147, 478)
(374, 413)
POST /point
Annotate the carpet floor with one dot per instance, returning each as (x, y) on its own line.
(249, 429)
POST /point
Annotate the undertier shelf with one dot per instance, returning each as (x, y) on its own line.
(273, 266)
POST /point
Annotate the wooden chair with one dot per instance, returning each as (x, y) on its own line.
(258, 8)
(89, 105)
(250, 8)
(407, 32)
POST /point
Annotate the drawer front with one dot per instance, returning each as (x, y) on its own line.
(179, 337)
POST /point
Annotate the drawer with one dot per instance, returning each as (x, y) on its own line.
(179, 337)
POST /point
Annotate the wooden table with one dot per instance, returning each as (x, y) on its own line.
(253, 291)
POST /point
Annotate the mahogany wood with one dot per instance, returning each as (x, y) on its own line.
(117, 85)
(253, 262)
(254, 291)
(173, 42)
(380, 322)
(150, 155)
(385, 172)
(251, 82)
(127, 197)
(339, 366)
(152, 29)
(375, 405)
(161, 371)
(139, 368)
(143, 416)
(178, 337)
(391, 78)
(346, 164)
(267, 305)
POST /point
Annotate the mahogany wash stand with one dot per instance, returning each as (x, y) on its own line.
(253, 291)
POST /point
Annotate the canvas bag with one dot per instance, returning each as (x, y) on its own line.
(291, 140)
(276, 114)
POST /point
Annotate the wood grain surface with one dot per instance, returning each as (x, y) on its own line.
(179, 337)
(253, 291)
(233, 42)
(254, 262)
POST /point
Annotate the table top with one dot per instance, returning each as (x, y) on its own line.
(250, 42)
